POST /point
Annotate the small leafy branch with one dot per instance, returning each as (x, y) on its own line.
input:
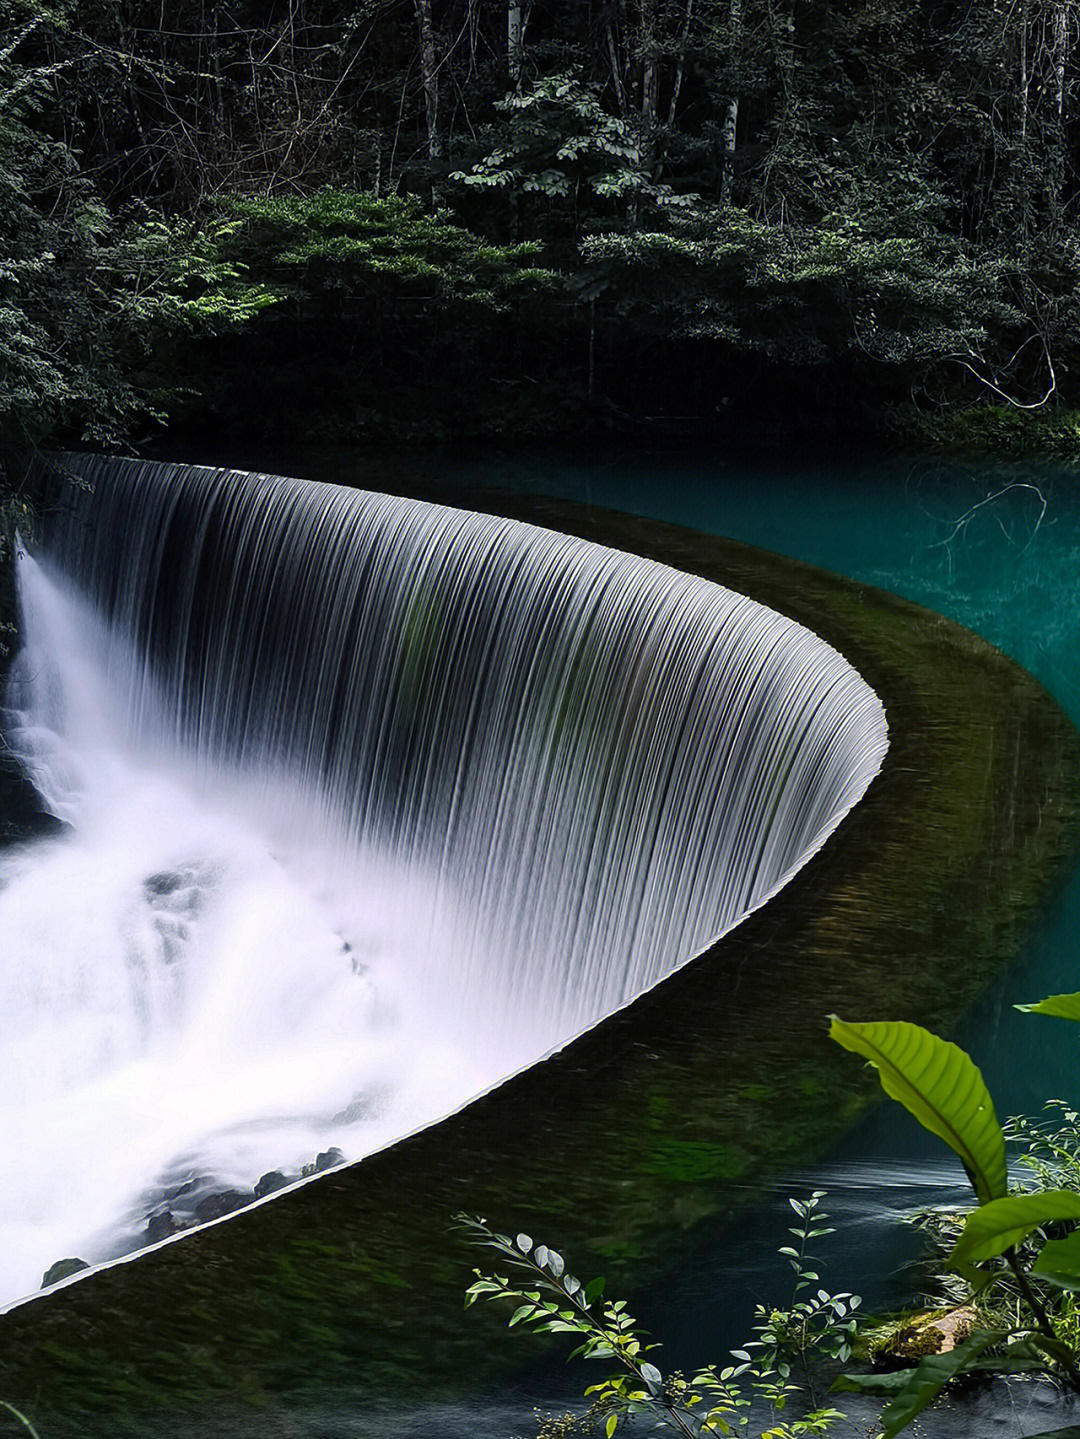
(551, 1300)
(1005, 1237)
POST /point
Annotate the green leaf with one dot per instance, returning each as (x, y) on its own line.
(1059, 1006)
(1059, 1262)
(942, 1087)
(995, 1227)
(609, 1427)
(594, 1289)
(652, 1376)
(1057, 1349)
(926, 1382)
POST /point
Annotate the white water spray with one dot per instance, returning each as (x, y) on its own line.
(370, 802)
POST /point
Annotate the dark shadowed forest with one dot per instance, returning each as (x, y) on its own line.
(419, 219)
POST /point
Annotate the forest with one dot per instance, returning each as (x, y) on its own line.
(430, 219)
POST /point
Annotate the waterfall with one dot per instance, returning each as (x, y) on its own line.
(368, 802)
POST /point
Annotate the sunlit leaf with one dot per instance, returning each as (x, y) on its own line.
(995, 1227)
(1059, 1006)
(652, 1376)
(942, 1087)
(1059, 1262)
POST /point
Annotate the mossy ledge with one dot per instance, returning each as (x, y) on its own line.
(346, 1292)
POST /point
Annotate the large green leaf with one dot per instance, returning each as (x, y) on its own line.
(1060, 1006)
(942, 1087)
(1059, 1262)
(995, 1227)
(926, 1382)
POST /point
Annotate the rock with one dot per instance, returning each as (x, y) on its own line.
(269, 1183)
(23, 815)
(326, 1160)
(161, 1225)
(216, 1206)
(63, 1269)
(935, 1331)
(162, 883)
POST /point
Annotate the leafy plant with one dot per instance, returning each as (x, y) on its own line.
(1014, 1235)
(551, 1300)
(339, 241)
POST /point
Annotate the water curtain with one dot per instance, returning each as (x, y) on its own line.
(371, 801)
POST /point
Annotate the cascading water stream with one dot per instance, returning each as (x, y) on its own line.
(370, 802)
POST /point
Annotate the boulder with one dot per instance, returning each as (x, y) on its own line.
(63, 1269)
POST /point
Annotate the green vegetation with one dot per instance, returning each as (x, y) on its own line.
(997, 430)
(1020, 1242)
(19, 1417)
(1010, 1306)
(816, 1326)
(348, 218)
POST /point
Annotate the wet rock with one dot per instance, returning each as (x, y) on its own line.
(269, 1183)
(216, 1206)
(63, 1269)
(177, 892)
(328, 1159)
(161, 1225)
(23, 815)
(163, 883)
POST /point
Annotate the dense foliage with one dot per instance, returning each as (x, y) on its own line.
(425, 216)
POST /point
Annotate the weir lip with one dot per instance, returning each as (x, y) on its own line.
(628, 1131)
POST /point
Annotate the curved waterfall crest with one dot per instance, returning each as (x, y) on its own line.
(371, 801)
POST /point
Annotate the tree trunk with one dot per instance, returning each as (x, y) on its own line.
(616, 73)
(731, 115)
(649, 88)
(1025, 76)
(680, 64)
(1059, 22)
(515, 35)
(429, 77)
